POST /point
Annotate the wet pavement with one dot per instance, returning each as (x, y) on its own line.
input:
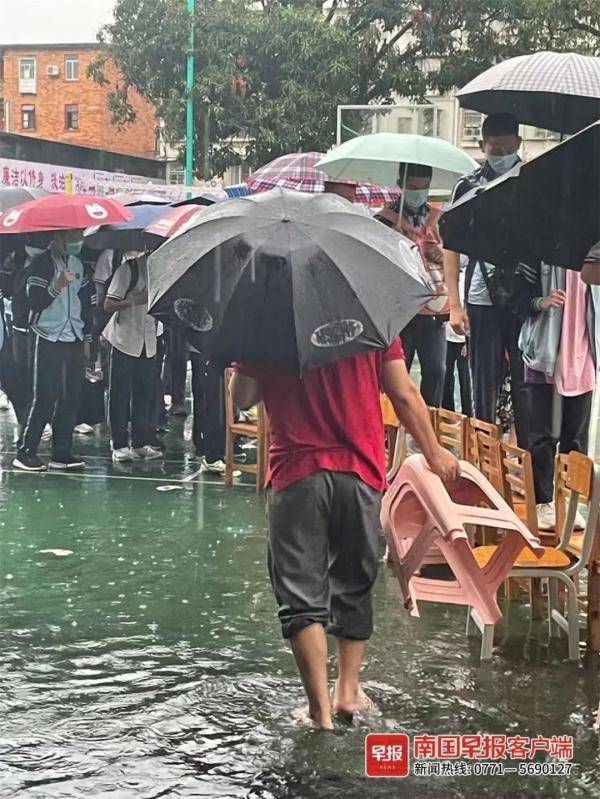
(148, 663)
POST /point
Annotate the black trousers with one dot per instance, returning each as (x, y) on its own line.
(177, 356)
(58, 373)
(426, 336)
(208, 391)
(457, 356)
(574, 432)
(323, 553)
(23, 351)
(494, 335)
(131, 394)
(16, 379)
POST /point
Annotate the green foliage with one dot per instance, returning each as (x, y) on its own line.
(273, 73)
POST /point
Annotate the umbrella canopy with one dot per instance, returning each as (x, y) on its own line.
(287, 279)
(546, 209)
(376, 157)
(131, 198)
(62, 212)
(298, 172)
(557, 91)
(127, 235)
(9, 196)
(172, 222)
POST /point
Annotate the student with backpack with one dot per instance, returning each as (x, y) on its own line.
(61, 296)
(133, 336)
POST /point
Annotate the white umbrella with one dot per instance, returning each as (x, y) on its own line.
(375, 158)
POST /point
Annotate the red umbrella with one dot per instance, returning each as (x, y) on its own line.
(63, 212)
(173, 220)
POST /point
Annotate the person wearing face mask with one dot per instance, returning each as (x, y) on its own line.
(60, 294)
(425, 335)
(490, 316)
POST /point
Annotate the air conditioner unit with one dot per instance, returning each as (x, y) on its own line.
(52, 71)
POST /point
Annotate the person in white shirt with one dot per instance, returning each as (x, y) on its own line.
(457, 355)
(132, 332)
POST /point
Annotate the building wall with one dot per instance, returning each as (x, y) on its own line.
(54, 93)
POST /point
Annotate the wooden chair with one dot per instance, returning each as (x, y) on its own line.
(475, 426)
(591, 602)
(560, 565)
(451, 431)
(258, 430)
(396, 441)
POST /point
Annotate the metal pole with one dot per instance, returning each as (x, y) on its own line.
(189, 138)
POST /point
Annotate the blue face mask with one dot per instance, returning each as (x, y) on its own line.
(502, 163)
(74, 247)
(415, 198)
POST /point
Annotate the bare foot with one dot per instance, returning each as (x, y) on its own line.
(304, 716)
(359, 703)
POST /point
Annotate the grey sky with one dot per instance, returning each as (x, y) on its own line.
(52, 21)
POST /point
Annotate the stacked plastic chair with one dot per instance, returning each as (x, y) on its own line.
(421, 516)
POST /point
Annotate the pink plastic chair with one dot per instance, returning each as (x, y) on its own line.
(423, 518)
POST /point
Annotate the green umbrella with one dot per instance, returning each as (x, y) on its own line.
(375, 158)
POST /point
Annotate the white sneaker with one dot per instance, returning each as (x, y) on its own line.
(123, 454)
(546, 516)
(218, 467)
(47, 433)
(148, 453)
(4, 403)
(84, 429)
(580, 522)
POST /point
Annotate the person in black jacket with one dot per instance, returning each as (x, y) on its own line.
(60, 294)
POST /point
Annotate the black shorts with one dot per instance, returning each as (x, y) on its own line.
(324, 547)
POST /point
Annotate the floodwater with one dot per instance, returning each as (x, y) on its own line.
(148, 663)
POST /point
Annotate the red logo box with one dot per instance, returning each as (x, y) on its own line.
(387, 755)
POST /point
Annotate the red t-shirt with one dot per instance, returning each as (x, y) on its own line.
(328, 419)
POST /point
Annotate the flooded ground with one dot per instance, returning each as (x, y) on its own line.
(148, 663)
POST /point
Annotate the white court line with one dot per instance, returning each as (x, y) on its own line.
(85, 456)
(164, 480)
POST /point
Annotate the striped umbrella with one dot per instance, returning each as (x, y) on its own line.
(297, 172)
(556, 91)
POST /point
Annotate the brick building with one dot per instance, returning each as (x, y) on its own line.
(45, 51)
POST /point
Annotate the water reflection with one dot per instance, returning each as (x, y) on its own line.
(149, 663)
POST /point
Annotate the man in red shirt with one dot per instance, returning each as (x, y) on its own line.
(326, 476)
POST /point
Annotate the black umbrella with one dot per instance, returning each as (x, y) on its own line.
(287, 279)
(557, 91)
(547, 209)
(9, 196)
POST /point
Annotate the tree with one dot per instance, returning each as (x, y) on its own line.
(273, 73)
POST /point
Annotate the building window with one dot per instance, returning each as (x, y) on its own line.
(175, 174)
(28, 117)
(472, 122)
(238, 173)
(71, 117)
(27, 76)
(548, 135)
(71, 67)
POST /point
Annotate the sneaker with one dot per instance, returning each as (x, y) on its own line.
(546, 516)
(122, 454)
(148, 453)
(47, 434)
(67, 462)
(4, 403)
(28, 462)
(217, 467)
(84, 429)
(179, 410)
(580, 522)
